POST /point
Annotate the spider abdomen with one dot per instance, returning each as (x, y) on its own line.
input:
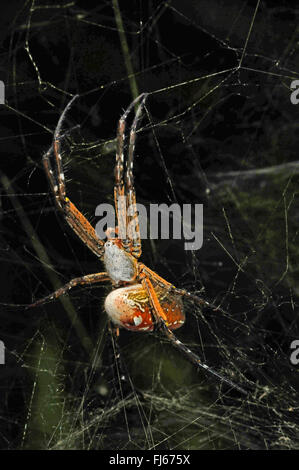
(129, 307)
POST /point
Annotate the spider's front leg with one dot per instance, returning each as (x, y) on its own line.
(52, 162)
(124, 190)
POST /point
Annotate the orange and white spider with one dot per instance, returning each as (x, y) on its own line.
(141, 300)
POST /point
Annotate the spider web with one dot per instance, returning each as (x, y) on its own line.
(219, 129)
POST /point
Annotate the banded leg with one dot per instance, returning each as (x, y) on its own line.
(157, 310)
(161, 324)
(194, 359)
(171, 288)
(77, 281)
(120, 189)
(132, 213)
(54, 172)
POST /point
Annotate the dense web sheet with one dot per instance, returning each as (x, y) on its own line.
(219, 129)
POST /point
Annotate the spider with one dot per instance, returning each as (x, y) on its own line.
(141, 300)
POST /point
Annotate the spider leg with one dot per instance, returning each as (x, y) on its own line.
(158, 312)
(119, 188)
(192, 357)
(161, 324)
(171, 288)
(121, 200)
(77, 281)
(132, 214)
(142, 268)
(54, 171)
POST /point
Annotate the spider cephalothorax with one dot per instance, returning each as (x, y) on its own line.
(141, 299)
(120, 265)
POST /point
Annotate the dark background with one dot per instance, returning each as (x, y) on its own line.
(219, 129)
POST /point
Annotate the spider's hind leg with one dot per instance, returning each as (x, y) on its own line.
(162, 326)
(161, 320)
(172, 289)
(193, 358)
